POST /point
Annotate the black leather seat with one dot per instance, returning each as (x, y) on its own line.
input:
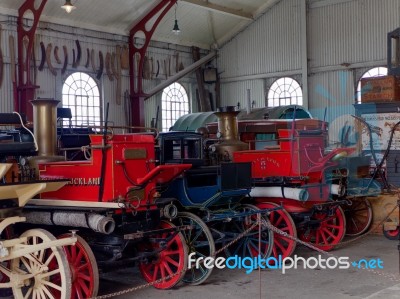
(17, 149)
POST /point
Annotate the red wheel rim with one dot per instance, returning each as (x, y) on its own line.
(281, 219)
(84, 275)
(329, 233)
(392, 233)
(248, 245)
(170, 261)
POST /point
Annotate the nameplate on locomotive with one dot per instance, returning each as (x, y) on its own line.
(135, 153)
(84, 181)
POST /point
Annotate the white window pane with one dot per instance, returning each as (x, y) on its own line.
(284, 91)
(76, 90)
(174, 103)
(71, 99)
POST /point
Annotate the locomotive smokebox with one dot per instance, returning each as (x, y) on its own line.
(228, 133)
(45, 130)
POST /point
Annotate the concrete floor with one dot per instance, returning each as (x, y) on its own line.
(300, 283)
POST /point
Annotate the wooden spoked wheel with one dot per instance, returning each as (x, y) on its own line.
(328, 233)
(248, 245)
(358, 216)
(49, 270)
(283, 246)
(167, 267)
(199, 240)
(5, 235)
(83, 266)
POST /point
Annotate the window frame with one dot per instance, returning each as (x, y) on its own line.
(85, 112)
(381, 71)
(292, 91)
(171, 109)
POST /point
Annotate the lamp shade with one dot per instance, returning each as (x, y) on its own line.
(68, 6)
(176, 29)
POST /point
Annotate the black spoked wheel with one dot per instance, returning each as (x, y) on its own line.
(200, 242)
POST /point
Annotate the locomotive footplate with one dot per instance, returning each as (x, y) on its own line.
(140, 235)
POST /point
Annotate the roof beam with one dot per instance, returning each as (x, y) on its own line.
(323, 3)
(220, 9)
(181, 74)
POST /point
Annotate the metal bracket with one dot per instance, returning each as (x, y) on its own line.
(145, 27)
(25, 91)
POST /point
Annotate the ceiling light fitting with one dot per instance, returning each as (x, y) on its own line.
(176, 29)
(68, 6)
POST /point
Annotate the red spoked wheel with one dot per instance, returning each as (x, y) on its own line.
(328, 233)
(392, 234)
(251, 243)
(281, 219)
(83, 266)
(358, 216)
(168, 266)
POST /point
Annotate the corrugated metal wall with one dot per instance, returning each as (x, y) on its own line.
(236, 92)
(351, 32)
(6, 90)
(271, 44)
(332, 92)
(51, 86)
(345, 38)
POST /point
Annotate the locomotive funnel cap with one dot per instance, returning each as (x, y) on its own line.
(227, 109)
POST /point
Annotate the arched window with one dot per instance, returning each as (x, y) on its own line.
(285, 91)
(375, 72)
(81, 93)
(175, 103)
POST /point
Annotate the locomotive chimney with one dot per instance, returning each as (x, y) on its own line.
(227, 123)
(229, 133)
(45, 131)
(45, 125)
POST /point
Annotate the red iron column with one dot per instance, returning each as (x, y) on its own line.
(24, 92)
(138, 52)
